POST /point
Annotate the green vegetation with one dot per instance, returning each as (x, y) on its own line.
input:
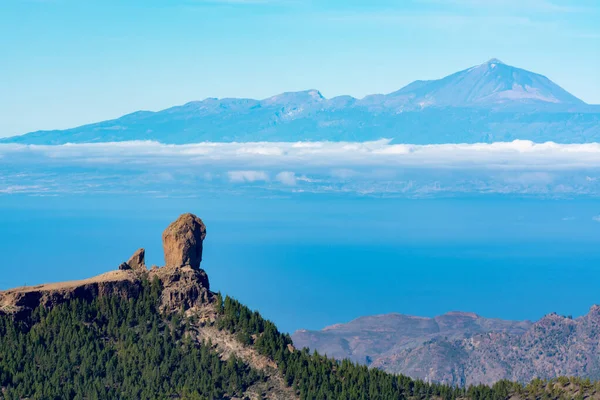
(112, 348)
(317, 377)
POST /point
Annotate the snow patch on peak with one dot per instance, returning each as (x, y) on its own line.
(315, 94)
(494, 61)
(288, 98)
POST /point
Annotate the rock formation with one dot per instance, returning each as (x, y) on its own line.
(184, 284)
(136, 262)
(182, 242)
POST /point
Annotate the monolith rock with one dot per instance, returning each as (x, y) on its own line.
(182, 242)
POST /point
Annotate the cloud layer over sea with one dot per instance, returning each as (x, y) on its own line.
(366, 168)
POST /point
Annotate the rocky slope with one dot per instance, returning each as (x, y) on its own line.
(366, 339)
(465, 349)
(491, 84)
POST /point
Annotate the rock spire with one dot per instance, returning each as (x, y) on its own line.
(182, 242)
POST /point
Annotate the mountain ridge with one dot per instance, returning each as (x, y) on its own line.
(491, 82)
(464, 348)
(489, 102)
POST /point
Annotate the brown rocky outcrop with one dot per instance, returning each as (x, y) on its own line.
(183, 288)
(21, 301)
(184, 284)
(136, 262)
(182, 242)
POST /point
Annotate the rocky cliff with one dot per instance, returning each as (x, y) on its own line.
(185, 285)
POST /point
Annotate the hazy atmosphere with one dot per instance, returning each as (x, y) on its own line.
(297, 199)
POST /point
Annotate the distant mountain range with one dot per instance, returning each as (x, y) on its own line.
(463, 348)
(486, 103)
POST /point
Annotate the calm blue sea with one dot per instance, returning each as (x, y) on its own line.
(307, 261)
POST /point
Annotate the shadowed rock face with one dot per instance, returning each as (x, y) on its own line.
(136, 262)
(182, 242)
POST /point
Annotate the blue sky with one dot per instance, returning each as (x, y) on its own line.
(66, 63)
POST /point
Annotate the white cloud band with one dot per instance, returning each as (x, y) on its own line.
(357, 167)
(519, 154)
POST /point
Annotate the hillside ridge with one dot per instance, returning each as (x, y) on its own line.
(463, 348)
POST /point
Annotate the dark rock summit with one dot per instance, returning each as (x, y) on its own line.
(182, 242)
